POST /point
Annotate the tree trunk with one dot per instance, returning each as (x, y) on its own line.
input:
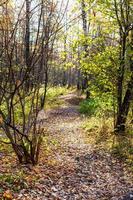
(27, 41)
(124, 109)
(85, 29)
(27, 34)
(78, 79)
(124, 105)
(121, 70)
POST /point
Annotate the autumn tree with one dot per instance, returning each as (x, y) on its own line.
(27, 47)
(123, 12)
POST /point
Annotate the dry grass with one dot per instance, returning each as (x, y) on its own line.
(99, 133)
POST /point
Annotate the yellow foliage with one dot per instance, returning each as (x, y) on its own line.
(7, 195)
(6, 16)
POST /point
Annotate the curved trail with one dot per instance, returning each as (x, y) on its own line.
(76, 170)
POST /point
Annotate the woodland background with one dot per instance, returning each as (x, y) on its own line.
(77, 54)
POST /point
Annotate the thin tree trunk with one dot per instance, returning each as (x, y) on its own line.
(124, 105)
(124, 109)
(121, 70)
(27, 39)
(85, 29)
(27, 34)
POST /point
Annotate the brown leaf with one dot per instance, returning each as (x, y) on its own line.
(1, 119)
(18, 82)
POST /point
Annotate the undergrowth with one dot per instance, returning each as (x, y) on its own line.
(99, 133)
(99, 106)
(52, 100)
(99, 126)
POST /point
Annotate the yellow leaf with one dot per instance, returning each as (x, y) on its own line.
(7, 195)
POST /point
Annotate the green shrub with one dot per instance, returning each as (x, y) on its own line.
(89, 107)
(97, 106)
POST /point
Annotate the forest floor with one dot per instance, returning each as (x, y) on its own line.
(70, 167)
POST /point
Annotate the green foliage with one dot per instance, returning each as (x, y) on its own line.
(89, 107)
(52, 100)
(14, 181)
(103, 67)
(99, 106)
(54, 92)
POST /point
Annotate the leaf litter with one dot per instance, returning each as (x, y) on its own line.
(70, 168)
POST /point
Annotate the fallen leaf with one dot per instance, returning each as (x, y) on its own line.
(7, 195)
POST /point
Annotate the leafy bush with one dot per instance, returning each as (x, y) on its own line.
(89, 107)
(98, 106)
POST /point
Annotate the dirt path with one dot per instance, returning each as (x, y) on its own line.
(76, 170)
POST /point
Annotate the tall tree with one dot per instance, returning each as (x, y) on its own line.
(85, 31)
(25, 54)
(123, 11)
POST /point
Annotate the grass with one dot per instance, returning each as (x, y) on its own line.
(99, 106)
(99, 131)
(14, 182)
(88, 107)
(100, 134)
(52, 100)
(123, 148)
(99, 125)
